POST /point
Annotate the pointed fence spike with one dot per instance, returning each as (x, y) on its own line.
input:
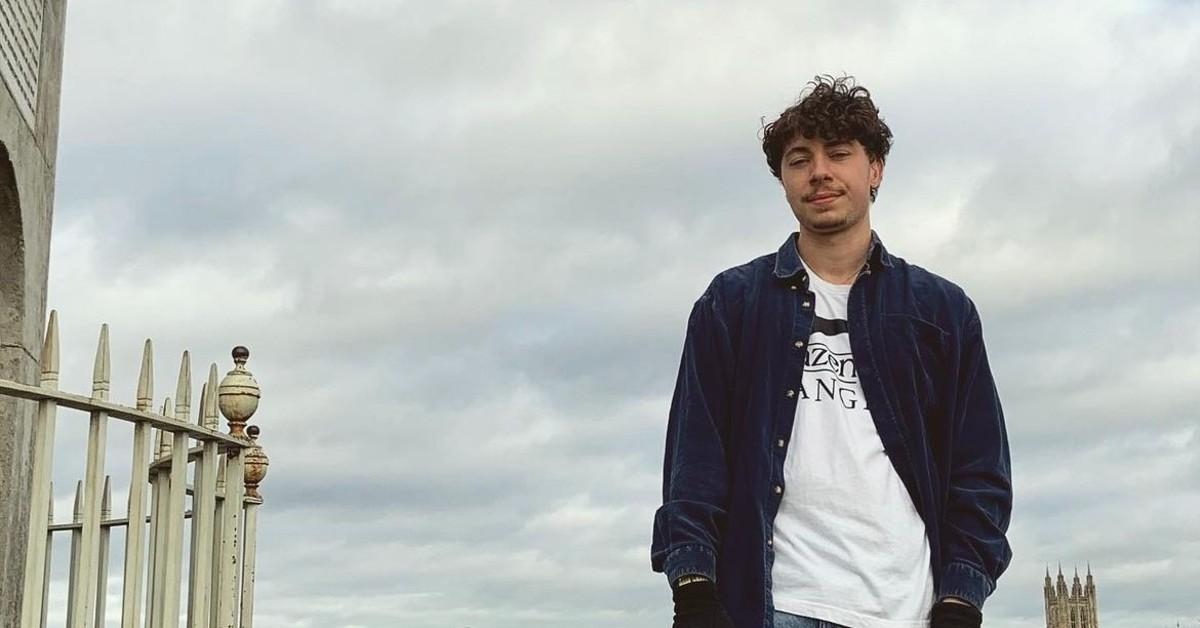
(50, 352)
(203, 404)
(212, 418)
(77, 515)
(106, 502)
(145, 389)
(183, 388)
(102, 371)
(163, 446)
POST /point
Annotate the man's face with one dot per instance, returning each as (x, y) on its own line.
(828, 184)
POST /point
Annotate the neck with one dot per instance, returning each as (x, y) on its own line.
(836, 257)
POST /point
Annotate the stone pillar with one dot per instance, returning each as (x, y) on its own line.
(31, 68)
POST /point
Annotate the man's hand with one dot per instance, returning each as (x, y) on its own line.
(955, 613)
(697, 606)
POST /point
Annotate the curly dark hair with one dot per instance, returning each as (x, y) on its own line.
(833, 109)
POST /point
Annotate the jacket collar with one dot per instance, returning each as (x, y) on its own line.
(788, 264)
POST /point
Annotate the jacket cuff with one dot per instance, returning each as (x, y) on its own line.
(689, 560)
(967, 583)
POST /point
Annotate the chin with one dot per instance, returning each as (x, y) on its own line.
(832, 221)
(827, 224)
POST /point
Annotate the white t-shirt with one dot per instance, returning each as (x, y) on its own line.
(850, 547)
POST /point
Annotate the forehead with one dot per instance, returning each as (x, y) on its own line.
(814, 144)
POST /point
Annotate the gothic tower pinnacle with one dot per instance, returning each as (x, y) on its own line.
(1073, 608)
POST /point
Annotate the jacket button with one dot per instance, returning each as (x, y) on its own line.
(769, 543)
(779, 443)
(799, 344)
(791, 393)
(806, 304)
(794, 287)
(778, 489)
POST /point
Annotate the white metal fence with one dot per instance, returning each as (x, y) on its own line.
(218, 566)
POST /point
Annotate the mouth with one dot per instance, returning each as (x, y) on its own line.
(823, 198)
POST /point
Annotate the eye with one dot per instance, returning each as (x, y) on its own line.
(799, 161)
(841, 154)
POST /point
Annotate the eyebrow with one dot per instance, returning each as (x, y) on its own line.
(828, 145)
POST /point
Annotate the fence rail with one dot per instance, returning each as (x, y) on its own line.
(226, 469)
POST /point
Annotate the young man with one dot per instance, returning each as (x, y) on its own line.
(836, 452)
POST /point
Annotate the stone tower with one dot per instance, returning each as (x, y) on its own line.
(31, 46)
(1075, 608)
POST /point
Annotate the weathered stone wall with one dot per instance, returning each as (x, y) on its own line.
(28, 145)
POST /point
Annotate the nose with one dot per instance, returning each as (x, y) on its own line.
(820, 169)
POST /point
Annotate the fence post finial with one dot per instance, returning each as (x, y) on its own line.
(239, 394)
(183, 388)
(256, 464)
(200, 407)
(77, 511)
(160, 445)
(102, 371)
(211, 419)
(221, 480)
(106, 502)
(145, 389)
(50, 353)
(167, 440)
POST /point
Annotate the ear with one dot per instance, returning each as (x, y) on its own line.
(876, 172)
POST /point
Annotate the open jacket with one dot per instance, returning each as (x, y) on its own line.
(918, 346)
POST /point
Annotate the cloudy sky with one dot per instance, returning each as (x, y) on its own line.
(461, 240)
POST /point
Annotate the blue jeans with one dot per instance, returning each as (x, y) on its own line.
(787, 620)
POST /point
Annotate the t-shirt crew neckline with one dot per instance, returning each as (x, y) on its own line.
(824, 283)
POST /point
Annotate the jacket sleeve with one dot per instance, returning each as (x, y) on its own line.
(974, 547)
(687, 528)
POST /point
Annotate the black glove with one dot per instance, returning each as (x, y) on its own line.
(697, 606)
(955, 615)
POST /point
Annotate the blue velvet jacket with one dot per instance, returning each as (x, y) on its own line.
(918, 348)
